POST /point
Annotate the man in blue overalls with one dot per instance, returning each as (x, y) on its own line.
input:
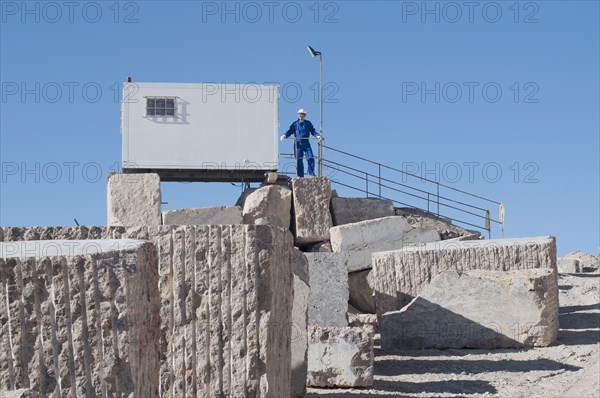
(302, 129)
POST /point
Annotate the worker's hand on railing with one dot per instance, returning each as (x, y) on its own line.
(282, 137)
(320, 138)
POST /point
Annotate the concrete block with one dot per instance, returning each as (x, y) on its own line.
(269, 205)
(351, 210)
(360, 287)
(328, 299)
(299, 324)
(312, 219)
(340, 357)
(401, 275)
(218, 215)
(79, 318)
(133, 199)
(568, 265)
(587, 262)
(477, 309)
(20, 393)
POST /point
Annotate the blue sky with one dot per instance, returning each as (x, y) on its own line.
(500, 99)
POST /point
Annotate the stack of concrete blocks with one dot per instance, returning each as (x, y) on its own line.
(224, 295)
(462, 293)
(79, 318)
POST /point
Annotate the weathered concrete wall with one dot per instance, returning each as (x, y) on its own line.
(218, 215)
(77, 324)
(401, 275)
(133, 199)
(478, 309)
(340, 357)
(312, 219)
(269, 205)
(351, 210)
(225, 305)
(328, 298)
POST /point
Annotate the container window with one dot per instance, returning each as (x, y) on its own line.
(160, 106)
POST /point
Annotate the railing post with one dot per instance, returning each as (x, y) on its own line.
(427, 202)
(367, 183)
(379, 165)
(438, 198)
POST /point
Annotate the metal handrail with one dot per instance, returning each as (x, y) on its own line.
(391, 185)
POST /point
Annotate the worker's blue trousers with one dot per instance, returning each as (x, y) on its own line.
(305, 152)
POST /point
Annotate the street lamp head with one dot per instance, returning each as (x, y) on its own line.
(313, 52)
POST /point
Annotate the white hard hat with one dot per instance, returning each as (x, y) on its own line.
(301, 110)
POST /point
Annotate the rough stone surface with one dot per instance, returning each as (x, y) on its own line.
(361, 320)
(242, 199)
(568, 265)
(418, 218)
(340, 357)
(320, 247)
(401, 275)
(21, 393)
(218, 215)
(312, 219)
(328, 299)
(224, 296)
(269, 205)
(587, 262)
(360, 287)
(351, 210)
(360, 240)
(360, 234)
(79, 324)
(133, 199)
(299, 324)
(477, 309)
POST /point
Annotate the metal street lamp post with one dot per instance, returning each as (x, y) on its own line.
(314, 53)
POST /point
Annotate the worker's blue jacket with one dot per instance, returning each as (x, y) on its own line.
(302, 130)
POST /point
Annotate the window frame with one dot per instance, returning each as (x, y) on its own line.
(161, 111)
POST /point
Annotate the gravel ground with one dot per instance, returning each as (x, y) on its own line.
(570, 368)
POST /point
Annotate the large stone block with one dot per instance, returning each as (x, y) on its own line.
(360, 287)
(328, 299)
(340, 357)
(360, 234)
(351, 210)
(269, 205)
(299, 324)
(401, 275)
(79, 318)
(568, 265)
(225, 305)
(312, 219)
(477, 309)
(587, 262)
(218, 215)
(133, 199)
(360, 240)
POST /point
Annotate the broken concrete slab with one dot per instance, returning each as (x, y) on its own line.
(80, 318)
(269, 205)
(360, 287)
(133, 199)
(401, 275)
(340, 357)
(328, 299)
(351, 210)
(217, 215)
(476, 309)
(312, 218)
(568, 265)
(299, 334)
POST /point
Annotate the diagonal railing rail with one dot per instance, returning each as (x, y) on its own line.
(404, 189)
